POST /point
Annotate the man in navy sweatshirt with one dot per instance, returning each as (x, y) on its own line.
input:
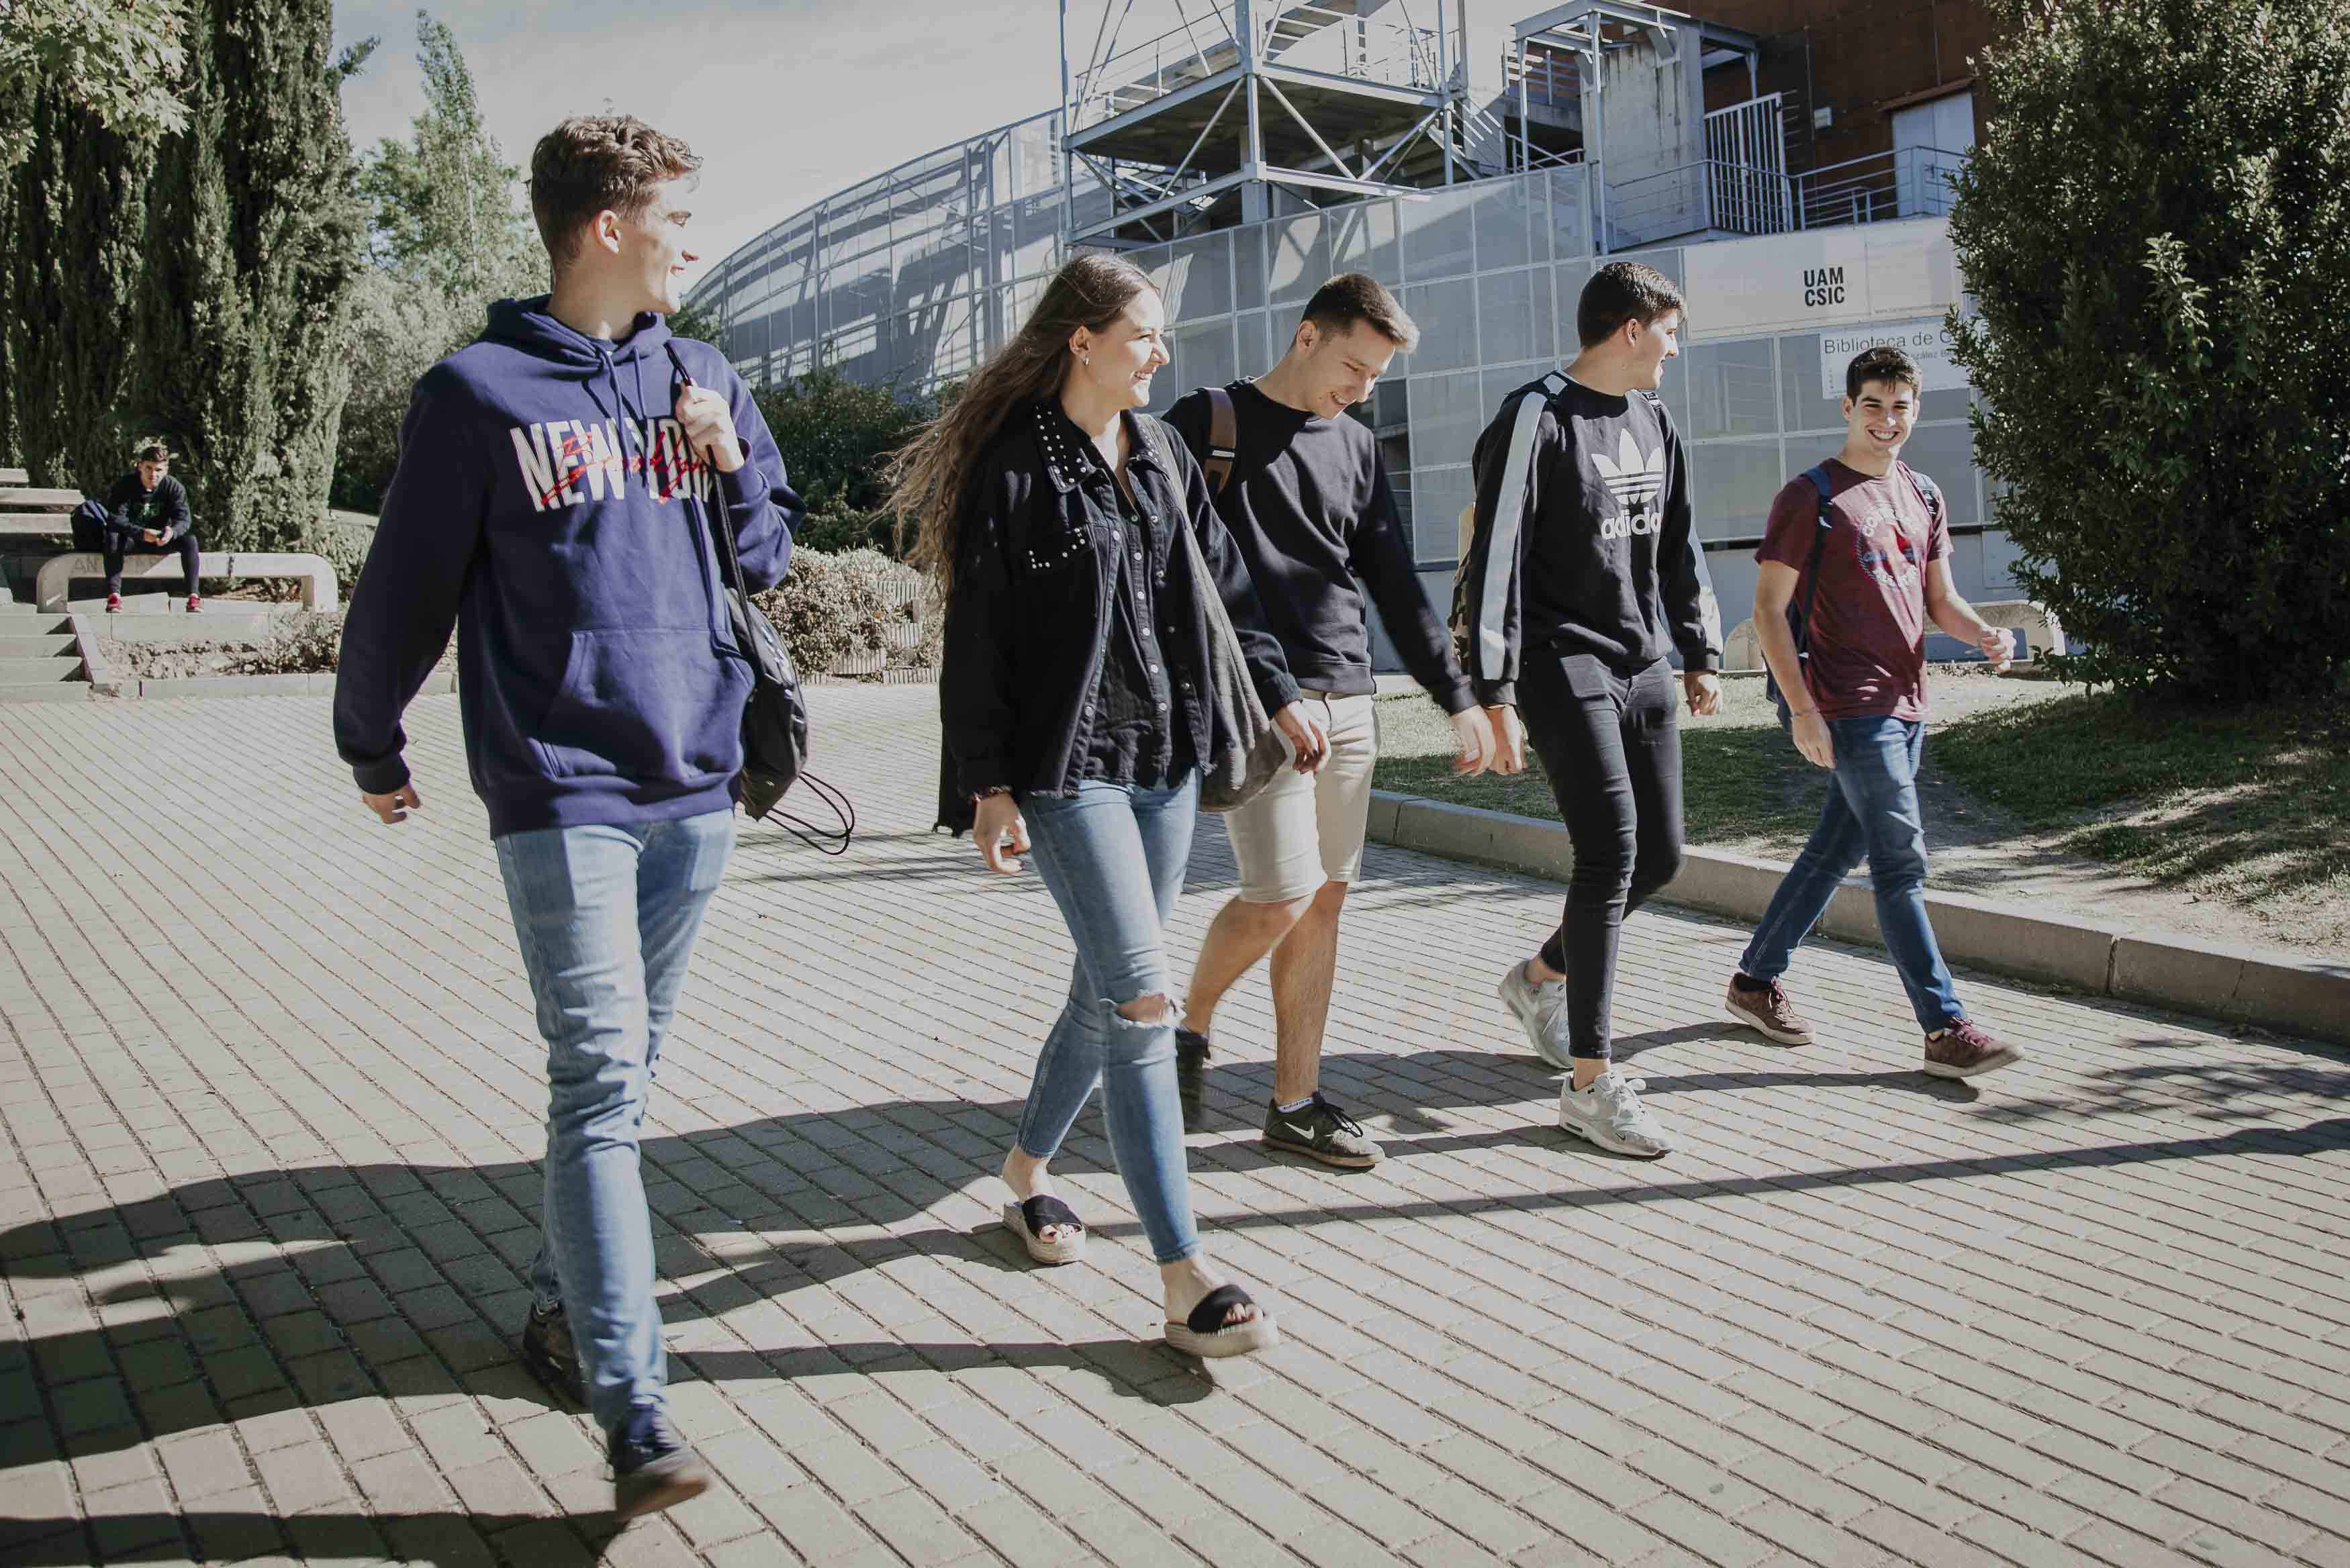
(554, 500)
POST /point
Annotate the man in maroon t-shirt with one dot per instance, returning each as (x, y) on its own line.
(1863, 575)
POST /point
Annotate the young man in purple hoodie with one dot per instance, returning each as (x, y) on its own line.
(553, 502)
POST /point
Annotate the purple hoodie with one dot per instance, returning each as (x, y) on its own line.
(544, 506)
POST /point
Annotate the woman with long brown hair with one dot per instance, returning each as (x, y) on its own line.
(1078, 712)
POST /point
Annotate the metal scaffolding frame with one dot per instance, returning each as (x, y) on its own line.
(1588, 30)
(1323, 97)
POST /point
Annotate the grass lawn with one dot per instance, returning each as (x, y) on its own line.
(1743, 780)
(2246, 806)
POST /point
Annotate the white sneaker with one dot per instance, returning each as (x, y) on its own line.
(1609, 1113)
(1541, 1010)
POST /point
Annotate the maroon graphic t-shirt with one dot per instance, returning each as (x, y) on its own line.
(1869, 612)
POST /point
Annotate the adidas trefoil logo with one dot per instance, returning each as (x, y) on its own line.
(1636, 482)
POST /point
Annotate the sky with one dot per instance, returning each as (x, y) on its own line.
(785, 102)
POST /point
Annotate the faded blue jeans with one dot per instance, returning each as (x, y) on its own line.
(607, 917)
(1872, 814)
(1113, 858)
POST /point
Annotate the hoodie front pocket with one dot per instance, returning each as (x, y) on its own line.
(652, 707)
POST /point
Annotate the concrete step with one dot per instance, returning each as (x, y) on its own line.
(34, 672)
(204, 628)
(47, 646)
(23, 498)
(51, 524)
(11, 476)
(48, 691)
(144, 608)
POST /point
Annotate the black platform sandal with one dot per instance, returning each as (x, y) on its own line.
(1028, 1220)
(1206, 1334)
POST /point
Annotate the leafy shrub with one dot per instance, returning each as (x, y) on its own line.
(839, 532)
(827, 607)
(2156, 231)
(834, 434)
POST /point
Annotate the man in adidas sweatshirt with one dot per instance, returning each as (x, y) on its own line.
(554, 500)
(1584, 572)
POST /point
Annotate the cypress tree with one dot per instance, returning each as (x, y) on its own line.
(195, 288)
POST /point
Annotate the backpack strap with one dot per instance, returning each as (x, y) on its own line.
(1822, 482)
(1224, 439)
(1927, 491)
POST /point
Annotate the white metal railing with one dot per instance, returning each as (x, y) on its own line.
(1742, 198)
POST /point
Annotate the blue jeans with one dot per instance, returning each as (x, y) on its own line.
(606, 917)
(1872, 812)
(1113, 858)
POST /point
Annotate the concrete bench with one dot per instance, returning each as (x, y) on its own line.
(317, 577)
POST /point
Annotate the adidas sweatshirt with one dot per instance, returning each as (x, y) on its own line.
(1582, 541)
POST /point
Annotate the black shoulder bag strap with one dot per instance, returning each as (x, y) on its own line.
(774, 717)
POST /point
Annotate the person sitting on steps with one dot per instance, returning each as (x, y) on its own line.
(147, 509)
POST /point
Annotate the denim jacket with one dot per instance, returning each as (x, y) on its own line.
(1027, 625)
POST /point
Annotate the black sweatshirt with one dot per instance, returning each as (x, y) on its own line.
(1307, 500)
(1593, 550)
(131, 504)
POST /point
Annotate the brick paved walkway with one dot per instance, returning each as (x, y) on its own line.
(270, 1102)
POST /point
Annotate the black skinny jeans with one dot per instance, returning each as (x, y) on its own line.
(122, 542)
(1611, 746)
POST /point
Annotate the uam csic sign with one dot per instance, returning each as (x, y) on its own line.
(1926, 342)
(1820, 278)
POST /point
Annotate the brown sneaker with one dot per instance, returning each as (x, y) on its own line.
(1965, 1049)
(1770, 1010)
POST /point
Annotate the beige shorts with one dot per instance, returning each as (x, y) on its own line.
(1307, 829)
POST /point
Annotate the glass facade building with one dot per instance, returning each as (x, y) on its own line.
(910, 279)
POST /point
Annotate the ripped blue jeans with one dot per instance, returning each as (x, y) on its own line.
(1113, 858)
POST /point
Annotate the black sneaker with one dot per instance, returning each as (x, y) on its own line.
(652, 1468)
(548, 1351)
(1321, 1131)
(1191, 1075)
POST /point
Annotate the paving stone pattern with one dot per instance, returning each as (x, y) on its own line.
(271, 1096)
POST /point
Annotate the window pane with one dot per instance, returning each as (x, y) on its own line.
(1299, 256)
(1438, 234)
(1729, 389)
(1570, 216)
(1807, 407)
(1204, 358)
(1447, 411)
(1503, 228)
(1437, 494)
(1255, 359)
(1730, 486)
(1946, 454)
(1200, 279)
(1546, 347)
(1447, 315)
(1248, 267)
(1363, 239)
(1505, 317)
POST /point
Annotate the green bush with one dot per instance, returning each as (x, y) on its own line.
(834, 435)
(2157, 232)
(829, 607)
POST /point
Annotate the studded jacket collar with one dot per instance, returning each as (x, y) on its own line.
(1028, 622)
